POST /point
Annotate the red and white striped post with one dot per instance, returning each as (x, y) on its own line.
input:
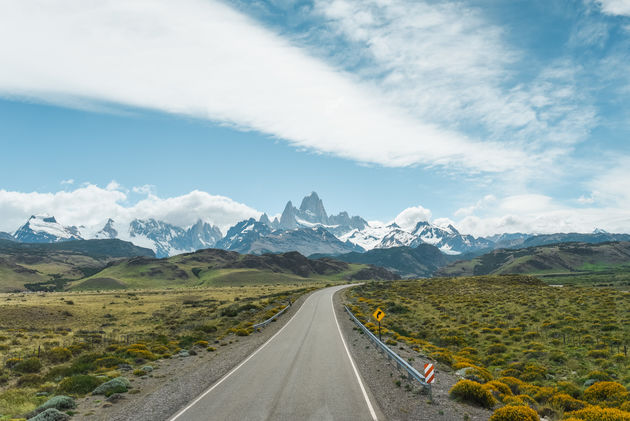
(429, 377)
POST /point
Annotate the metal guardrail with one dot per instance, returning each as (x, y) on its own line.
(412, 373)
(271, 319)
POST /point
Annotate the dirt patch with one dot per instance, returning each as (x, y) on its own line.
(399, 398)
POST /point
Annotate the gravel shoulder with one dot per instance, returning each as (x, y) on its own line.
(175, 382)
(403, 400)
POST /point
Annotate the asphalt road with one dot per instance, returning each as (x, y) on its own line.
(304, 372)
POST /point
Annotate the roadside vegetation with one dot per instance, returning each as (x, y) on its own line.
(71, 344)
(521, 347)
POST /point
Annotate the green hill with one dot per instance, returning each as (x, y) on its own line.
(220, 267)
(50, 266)
(566, 262)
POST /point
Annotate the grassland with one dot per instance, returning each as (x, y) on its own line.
(519, 340)
(604, 264)
(65, 343)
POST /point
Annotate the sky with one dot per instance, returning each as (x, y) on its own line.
(494, 116)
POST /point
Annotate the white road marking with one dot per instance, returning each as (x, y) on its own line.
(193, 403)
(354, 367)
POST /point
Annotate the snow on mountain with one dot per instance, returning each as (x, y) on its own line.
(45, 229)
(312, 214)
(447, 239)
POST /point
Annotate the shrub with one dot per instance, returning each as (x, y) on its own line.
(598, 353)
(599, 375)
(602, 392)
(109, 361)
(472, 392)
(141, 353)
(496, 349)
(499, 387)
(595, 413)
(443, 357)
(240, 332)
(59, 355)
(514, 383)
(390, 342)
(117, 385)
(514, 413)
(139, 372)
(201, 343)
(61, 403)
(51, 414)
(79, 384)
(566, 402)
(30, 380)
(211, 349)
(31, 365)
(475, 373)
(569, 388)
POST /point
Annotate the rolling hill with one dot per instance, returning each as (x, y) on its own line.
(50, 266)
(556, 261)
(221, 267)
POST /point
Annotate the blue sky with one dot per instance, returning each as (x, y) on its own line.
(496, 116)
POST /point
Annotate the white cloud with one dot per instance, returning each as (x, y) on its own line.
(615, 7)
(91, 206)
(448, 64)
(203, 59)
(408, 218)
(69, 181)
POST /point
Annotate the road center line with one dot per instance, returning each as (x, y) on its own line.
(354, 367)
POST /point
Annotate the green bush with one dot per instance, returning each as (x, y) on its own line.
(61, 403)
(117, 385)
(31, 365)
(472, 392)
(59, 355)
(30, 380)
(566, 402)
(79, 384)
(51, 414)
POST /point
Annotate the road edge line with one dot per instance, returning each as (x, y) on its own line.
(354, 367)
(225, 377)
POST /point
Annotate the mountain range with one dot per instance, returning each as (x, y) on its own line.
(307, 229)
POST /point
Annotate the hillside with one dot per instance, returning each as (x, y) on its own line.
(220, 267)
(49, 266)
(421, 261)
(559, 261)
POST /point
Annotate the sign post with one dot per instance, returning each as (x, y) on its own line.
(378, 315)
(429, 377)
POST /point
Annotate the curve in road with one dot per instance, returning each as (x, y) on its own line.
(303, 372)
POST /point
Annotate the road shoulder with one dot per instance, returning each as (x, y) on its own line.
(398, 398)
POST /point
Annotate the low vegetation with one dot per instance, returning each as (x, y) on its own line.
(73, 344)
(515, 342)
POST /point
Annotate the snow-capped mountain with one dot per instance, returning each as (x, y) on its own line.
(45, 229)
(256, 237)
(168, 240)
(447, 239)
(312, 213)
(242, 235)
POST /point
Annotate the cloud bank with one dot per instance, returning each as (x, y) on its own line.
(91, 206)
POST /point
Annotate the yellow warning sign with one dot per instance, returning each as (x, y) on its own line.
(379, 314)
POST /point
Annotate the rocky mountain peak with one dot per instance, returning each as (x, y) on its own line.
(312, 209)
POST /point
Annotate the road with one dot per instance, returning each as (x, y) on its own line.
(304, 372)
